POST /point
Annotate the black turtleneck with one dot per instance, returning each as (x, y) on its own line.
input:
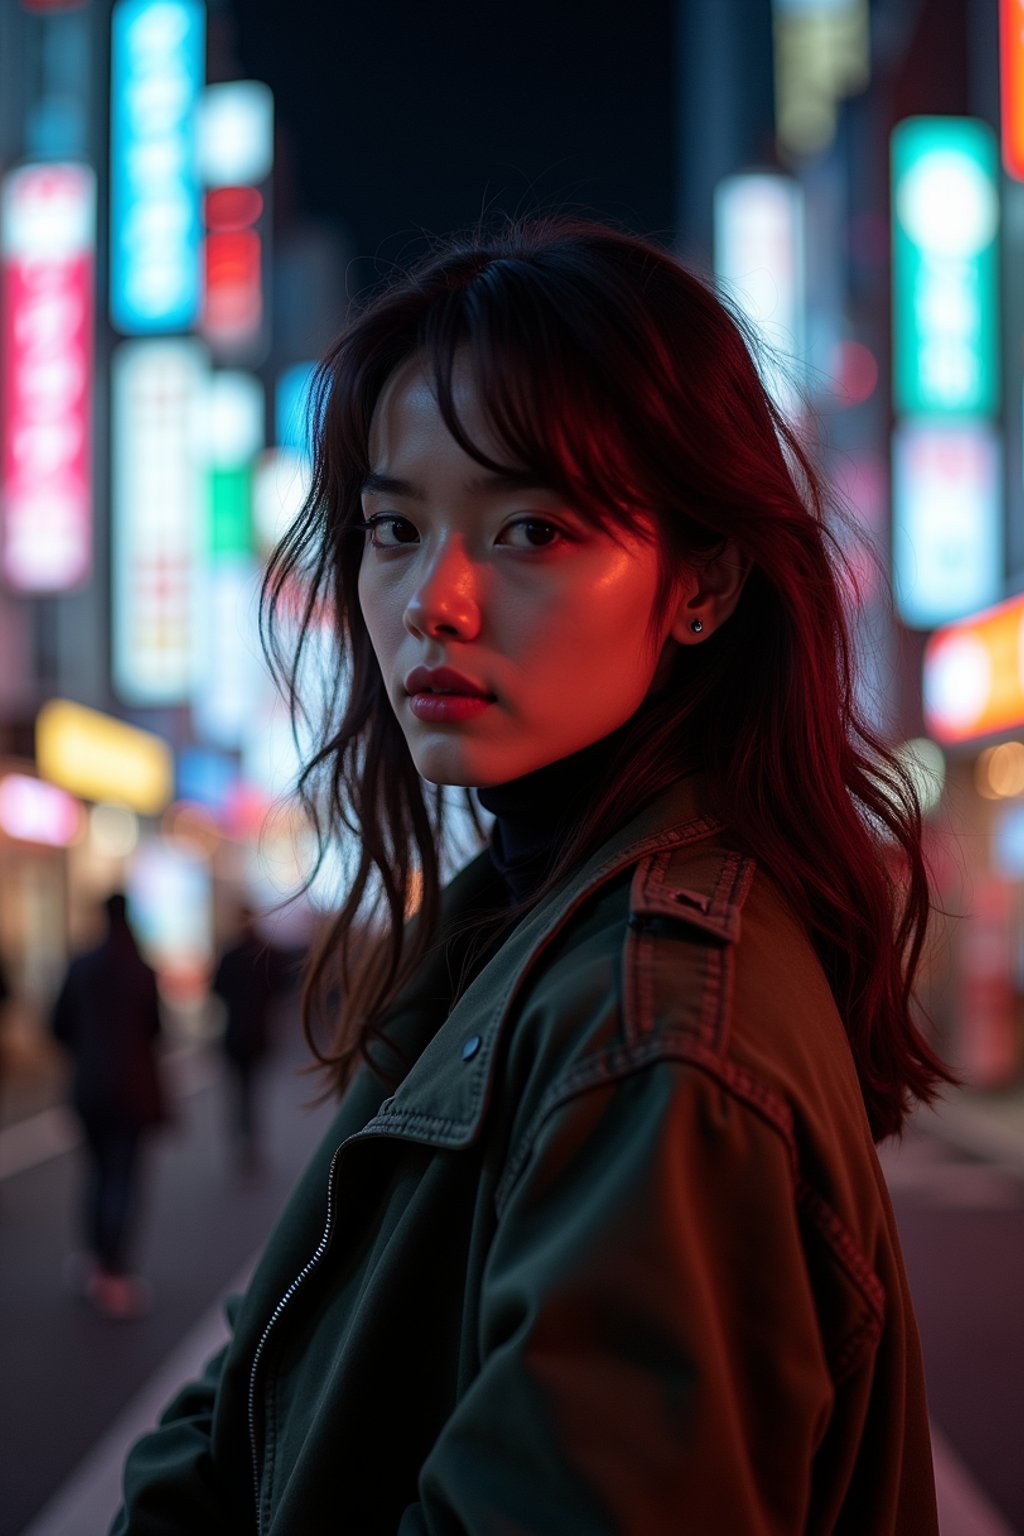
(533, 814)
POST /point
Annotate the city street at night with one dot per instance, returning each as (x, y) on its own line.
(959, 1202)
(512, 635)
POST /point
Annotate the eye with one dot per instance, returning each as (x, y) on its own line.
(532, 533)
(389, 531)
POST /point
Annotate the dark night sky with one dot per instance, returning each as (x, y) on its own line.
(405, 115)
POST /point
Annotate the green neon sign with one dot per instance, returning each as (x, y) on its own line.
(945, 299)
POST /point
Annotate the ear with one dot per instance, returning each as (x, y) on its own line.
(709, 593)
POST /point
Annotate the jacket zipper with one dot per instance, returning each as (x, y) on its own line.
(307, 1268)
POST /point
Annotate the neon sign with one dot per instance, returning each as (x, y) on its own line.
(49, 242)
(945, 281)
(157, 70)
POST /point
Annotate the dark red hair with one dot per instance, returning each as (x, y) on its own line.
(623, 382)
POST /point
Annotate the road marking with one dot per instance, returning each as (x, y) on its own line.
(89, 1498)
(964, 1509)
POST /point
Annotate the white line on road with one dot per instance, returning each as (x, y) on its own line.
(85, 1503)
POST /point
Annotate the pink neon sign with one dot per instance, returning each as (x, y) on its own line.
(35, 812)
(49, 242)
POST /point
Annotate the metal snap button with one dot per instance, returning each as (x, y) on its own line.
(470, 1047)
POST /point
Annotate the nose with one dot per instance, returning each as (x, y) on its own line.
(445, 602)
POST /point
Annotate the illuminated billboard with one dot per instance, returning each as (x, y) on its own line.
(48, 223)
(1011, 61)
(759, 262)
(821, 51)
(236, 155)
(236, 134)
(973, 681)
(158, 497)
(947, 524)
(945, 203)
(230, 677)
(157, 68)
(101, 758)
(32, 811)
(292, 408)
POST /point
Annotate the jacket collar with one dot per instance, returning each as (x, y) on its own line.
(445, 1095)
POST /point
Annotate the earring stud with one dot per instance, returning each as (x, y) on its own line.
(697, 625)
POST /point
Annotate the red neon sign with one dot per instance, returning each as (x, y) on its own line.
(233, 268)
(1011, 69)
(49, 224)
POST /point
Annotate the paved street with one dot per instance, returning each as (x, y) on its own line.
(961, 1219)
(77, 1389)
(66, 1372)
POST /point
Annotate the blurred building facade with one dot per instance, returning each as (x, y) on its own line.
(869, 222)
(153, 448)
(850, 169)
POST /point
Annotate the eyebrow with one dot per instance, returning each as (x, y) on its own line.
(504, 480)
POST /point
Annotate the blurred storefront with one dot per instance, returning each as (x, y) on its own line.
(152, 449)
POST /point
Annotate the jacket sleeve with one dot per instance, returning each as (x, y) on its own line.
(172, 1485)
(651, 1355)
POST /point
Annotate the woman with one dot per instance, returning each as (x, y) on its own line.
(598, 1241)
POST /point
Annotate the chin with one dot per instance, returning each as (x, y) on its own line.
(446, 768)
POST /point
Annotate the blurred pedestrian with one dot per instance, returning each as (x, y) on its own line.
(5, 999)
(248, 980)
(107, 1016)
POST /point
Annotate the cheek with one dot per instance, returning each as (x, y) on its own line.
(375, 611)
(602, 627)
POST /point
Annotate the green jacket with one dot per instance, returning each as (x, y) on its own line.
(615, 1257)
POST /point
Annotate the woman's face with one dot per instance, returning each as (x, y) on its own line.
(509, 631)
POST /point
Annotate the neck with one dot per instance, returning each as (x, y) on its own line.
(535, 814)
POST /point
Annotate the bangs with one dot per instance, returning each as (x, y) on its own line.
(540, 389)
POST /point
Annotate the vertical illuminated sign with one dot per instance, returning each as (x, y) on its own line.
(157, 67)
(158, 497)
(236, 156)
(284, 473)
(48, 246)
(759, 260)
(232, 318)
(1011, 69)
(821, 52)
(945, 204)
(292, 406)
(230, 676)
(946, 509)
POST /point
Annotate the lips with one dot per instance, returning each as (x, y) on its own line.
(443, 680)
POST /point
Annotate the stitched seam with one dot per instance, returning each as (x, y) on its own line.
(615, 1062)
(639, 985)
(733, 883)
(849, 1258)
(418, 1120)
(713, 997)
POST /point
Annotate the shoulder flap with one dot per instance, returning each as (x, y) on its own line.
(700, 884)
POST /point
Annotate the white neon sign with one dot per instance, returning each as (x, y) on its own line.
(158, 495)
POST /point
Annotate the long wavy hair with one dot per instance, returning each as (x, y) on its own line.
(624, 382)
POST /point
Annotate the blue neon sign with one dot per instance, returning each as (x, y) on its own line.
(157, 70)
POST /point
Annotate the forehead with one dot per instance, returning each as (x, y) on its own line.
(407, 422)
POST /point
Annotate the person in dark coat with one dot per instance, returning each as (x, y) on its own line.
(107, 1016)
(247, 980)
(597, 1243)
